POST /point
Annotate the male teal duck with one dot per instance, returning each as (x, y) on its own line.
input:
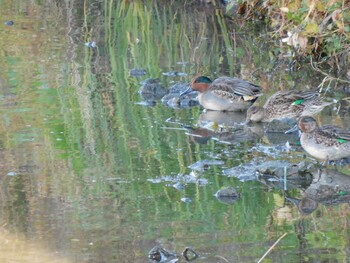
(326, 142)
(225, 93)
(288, 104)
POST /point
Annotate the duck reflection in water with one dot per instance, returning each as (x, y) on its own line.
(224, 127)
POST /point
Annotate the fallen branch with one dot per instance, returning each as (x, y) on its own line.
(272, 247)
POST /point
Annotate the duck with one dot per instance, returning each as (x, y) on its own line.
(225, 93)
(325, 143)
(289, 104)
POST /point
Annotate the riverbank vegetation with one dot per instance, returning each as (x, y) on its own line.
(316, 30)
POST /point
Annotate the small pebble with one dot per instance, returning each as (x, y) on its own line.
(9, 23)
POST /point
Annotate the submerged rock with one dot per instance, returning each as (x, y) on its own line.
(137, 72)
(305, 205)
(174, 99)
(189, 254)
(204, 164)
(152, 89)
(159, 254)
(285, 175)
(227, 195)
(280, 126)
(273, 173)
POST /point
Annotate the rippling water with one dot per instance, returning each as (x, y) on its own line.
(92, 173)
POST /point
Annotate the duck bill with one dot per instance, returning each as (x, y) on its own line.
(247, 121)
(293, 129)
(188, 90)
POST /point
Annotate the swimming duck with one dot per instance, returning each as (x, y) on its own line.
(225, 93)
(326, 142)
(288, 104)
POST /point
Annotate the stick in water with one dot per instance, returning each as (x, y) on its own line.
(268, 251)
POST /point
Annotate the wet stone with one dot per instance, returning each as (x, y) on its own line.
(9, 23)
(285, 175)
(189, 254)
(174, 74)
(137, 72)
(305, 205)
(284, 168)
(152, 89)
(179, 87)
(243, 172)
(187, 102)
(204, 164)
(159, 254)
(280, 126)
(174, 99)
(227, 195)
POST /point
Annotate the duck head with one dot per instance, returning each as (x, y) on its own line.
(200, 83)
(255, 114)
(307, 124)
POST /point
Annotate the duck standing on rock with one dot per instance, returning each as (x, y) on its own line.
(326, 142)
(287, 105)
(225, 93)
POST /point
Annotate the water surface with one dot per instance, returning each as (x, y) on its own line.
(88, 174)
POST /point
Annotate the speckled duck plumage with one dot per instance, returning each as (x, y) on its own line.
(324, 143)
(225, 93)
(288, 104)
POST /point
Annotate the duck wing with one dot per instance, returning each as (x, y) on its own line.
(335, 132)
(288, 98)
(235, 86)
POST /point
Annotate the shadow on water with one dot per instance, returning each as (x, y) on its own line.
(99, 172)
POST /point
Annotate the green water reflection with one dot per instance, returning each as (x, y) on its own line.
(80, 157)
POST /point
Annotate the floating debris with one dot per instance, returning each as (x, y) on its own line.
(11, 174)
(186, 200)
(174, 74)
(204, 164)
(183, 63)
(179, 186)
(91, 44)
(147, 103)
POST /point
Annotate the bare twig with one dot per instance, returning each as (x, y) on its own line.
(272, 247)
(222, 258)
(327, 75)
